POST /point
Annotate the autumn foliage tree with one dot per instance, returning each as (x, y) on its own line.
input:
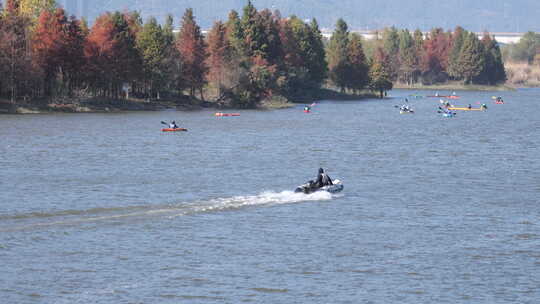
(12, 7)
(379, 74)
(17, 70)
(435, 59)
(391, 46)
(192, 49)
(248, 58)
(112, 55)
(358, 67)
(218, 52)
(58, 51)
(33, 8)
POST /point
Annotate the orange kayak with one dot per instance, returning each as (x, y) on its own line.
(173, 130)
(226, 114)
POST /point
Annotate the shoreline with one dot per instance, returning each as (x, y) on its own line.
(109, 105)
(456, 87)
(101, 105)
(184, 103)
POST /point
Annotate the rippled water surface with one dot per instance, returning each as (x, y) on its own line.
(105, 208)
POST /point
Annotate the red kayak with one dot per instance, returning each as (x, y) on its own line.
(173, 130)
(226, 114)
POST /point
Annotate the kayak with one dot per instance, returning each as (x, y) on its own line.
(173, 130)
(307, 111)
(466, 109)
(499, 102)
(307, 188)
(406, 112)
(226, 114)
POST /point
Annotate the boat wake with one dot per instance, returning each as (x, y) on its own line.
(36, 220)
(265, 198)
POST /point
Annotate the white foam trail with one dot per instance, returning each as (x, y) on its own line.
(265, 198)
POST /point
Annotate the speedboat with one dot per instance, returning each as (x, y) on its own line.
(309, 187)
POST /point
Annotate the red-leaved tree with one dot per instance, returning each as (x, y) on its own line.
(435, 60)
(192, 49)
(218, 51)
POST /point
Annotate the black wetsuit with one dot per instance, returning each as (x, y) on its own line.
(323, 180)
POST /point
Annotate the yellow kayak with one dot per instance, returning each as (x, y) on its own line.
(466, 109)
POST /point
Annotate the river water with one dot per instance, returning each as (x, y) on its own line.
(105, 208)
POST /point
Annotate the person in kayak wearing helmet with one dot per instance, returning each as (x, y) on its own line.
(323, 179)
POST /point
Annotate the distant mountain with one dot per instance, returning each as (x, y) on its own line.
(477, 15)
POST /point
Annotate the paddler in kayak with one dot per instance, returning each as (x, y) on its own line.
(322, 179)
(445, 103)
(173, 125)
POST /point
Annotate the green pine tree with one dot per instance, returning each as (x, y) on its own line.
(337, 55)
(407, 57)
(390, 42)
(150, 43)
(458, 37)
(493, 69)
(471, 58)
(315, 54)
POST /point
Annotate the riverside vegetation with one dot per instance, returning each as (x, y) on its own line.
(51, 59)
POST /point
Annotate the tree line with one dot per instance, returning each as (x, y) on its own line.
(438, 56)
(256, 55)
(526, 50)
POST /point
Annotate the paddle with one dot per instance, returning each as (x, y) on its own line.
(168, 125)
